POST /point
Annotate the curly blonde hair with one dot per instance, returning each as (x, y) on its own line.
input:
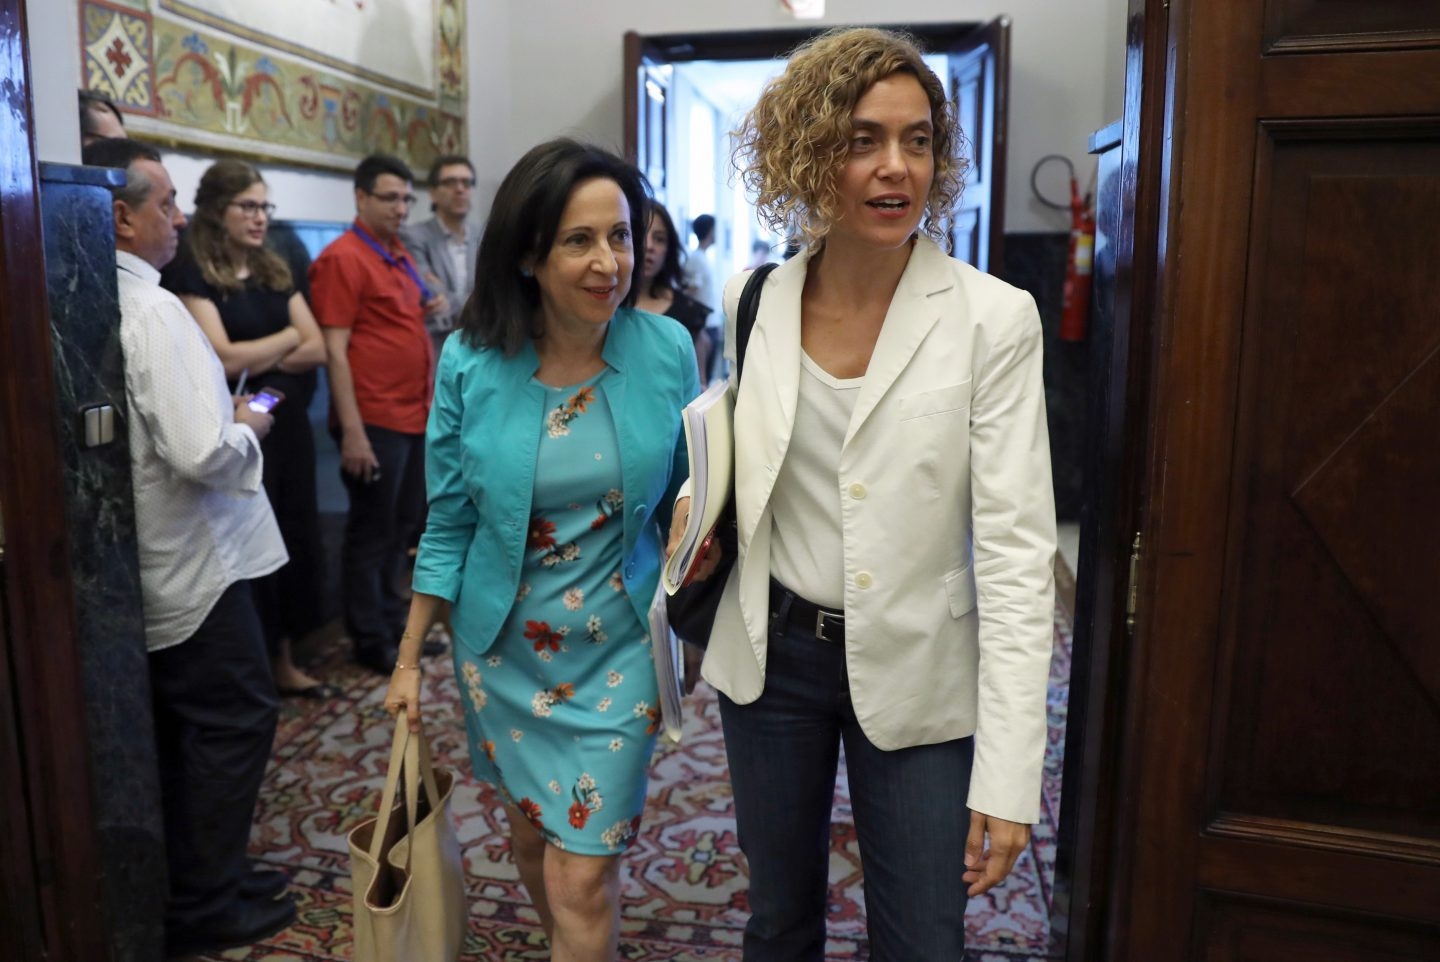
(790, 147)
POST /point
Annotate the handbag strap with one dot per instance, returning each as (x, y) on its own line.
(427, 772)
(745, 314)
(410, 760)
(392, 781)
(412, 792)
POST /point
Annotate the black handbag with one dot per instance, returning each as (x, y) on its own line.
(692, 608)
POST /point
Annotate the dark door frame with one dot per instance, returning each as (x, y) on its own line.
(49, 881)
(1095, 848)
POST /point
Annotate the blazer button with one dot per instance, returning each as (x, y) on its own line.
(857, 491)
(863, 580)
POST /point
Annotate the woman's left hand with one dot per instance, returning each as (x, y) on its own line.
(986, 868)
(679, 518)
(713, 554)
(403, 695)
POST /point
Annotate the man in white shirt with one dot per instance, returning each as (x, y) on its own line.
(204, 528)
(699, 274)
(699, 283)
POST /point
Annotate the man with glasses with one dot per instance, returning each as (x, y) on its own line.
(372, 302)
(445, 246)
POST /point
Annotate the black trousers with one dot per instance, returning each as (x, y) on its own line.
(383, 515)
(288, 599)
(215, 709)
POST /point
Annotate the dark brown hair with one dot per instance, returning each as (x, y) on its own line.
(501, 311)
(206, 239)
(432, 180)
(670, 275)
(123, 152)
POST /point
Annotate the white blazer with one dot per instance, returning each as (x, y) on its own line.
(946, 500)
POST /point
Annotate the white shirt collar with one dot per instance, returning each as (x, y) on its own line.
(141, 268)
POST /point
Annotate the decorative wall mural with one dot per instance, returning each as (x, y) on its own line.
(315, 82)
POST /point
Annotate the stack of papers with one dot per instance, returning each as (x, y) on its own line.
(710, 440)
(669, 667)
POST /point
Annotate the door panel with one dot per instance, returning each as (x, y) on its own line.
(647, 82)
(1240, 932)
(1284, 700)
(1299, 23)
(979, 85)
(1337, 554)
(647, 109)
(20, 935)
(965, 236)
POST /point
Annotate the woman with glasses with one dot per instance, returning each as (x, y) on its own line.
(244, 299)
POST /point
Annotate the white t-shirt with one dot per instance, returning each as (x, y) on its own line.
(699, 280)
(807, 550)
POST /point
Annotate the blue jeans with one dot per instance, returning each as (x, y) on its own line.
(909, 805)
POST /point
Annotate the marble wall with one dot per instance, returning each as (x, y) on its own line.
(85, 329)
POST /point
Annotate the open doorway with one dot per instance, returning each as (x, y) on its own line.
(704, 101)
(684, 95)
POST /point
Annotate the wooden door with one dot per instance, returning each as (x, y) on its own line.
(979, 89)
(1280, 781)
(51, 903)
(20, 934)
(647, 109)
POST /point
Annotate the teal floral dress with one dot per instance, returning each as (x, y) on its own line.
(564, 705)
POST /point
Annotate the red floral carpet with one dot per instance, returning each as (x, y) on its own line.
(684, 888)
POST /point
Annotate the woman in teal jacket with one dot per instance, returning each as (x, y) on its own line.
(554, 451)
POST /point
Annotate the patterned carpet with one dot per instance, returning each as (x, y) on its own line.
(684, 886)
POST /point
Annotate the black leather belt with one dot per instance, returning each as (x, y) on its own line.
(789, 610)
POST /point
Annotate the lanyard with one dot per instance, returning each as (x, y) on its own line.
(425, 293)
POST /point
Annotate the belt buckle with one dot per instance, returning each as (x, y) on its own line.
(820, 616)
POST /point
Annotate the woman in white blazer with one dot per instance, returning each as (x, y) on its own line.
(893, 591)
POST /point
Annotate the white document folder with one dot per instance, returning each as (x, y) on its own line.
(710, 440)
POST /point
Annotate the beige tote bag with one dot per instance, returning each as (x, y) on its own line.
(409, 882)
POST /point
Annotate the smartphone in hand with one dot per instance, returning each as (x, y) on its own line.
(265, 401)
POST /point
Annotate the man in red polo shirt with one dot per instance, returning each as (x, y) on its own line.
(372, 302)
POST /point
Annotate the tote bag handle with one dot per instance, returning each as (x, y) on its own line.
(410, 758)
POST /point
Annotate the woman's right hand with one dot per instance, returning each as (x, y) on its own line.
(404, 695)
(678, 520)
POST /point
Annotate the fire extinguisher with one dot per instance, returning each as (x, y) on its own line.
(1080, 257)
(1078, 264)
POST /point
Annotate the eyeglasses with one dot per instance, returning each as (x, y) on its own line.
(252, 207)
(454, 183)
(393, 198)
